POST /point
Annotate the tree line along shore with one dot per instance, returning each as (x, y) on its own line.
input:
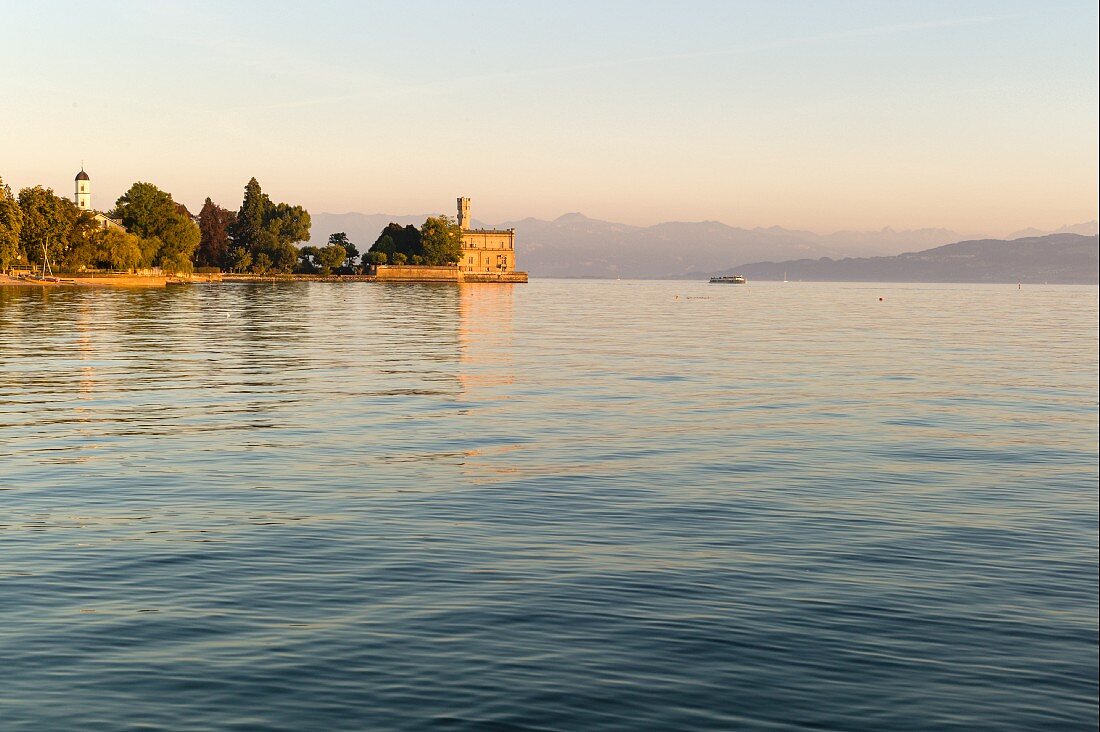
(148, 230)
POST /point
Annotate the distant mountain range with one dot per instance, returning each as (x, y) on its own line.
(1086, 229)
(1055, 258)
(574, 245)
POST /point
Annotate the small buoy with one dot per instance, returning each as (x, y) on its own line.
(881, 299)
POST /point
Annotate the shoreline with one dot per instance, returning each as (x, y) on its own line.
(82, 280)
(396, 275)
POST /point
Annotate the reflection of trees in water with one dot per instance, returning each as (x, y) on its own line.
(261, 342)
(329, 342)
(47, 339)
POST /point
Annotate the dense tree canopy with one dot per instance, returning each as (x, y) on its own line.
(169, 235)
(238, 259)
(82, 251)
(437, 242)
(214, 225)
(270, 229)
(47, 224)
(330, 257)
(106, 249)
(441, 240)
(118, 249)
(161, 232)
(398, 239)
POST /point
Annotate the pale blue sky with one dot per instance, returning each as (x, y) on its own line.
(978, 116)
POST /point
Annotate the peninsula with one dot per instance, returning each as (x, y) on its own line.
(149, 239)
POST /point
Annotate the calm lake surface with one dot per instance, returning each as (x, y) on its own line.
(570, 505)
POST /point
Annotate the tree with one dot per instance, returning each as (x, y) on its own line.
(441, 239)
(307, 259)
(150, 246)
(262, 264)
(177, 261)
(106, 248)
(398, 258)
(82, 246)
(341, 239)
(11, 225)
(83, 251)
(397, 238)
(353, 254)
(331, 257)
(289, 223)
(150, 213)
(250, 218)
(47, 223)
(178, 243)
(271, 229)
(385, 245)
(238, 259)
(118, 249)
(284, 256)
(145, 210)
(375, 258)
(215, 223)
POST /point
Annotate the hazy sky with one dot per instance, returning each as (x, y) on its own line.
(977, 116)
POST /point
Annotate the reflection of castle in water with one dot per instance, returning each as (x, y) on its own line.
(485, 336)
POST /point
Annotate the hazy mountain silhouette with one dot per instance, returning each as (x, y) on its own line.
(1055, 258)
(574, 245)
(1088, 228)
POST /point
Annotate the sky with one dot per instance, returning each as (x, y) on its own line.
(975, 116)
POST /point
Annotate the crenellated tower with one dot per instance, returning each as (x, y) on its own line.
(464, 213)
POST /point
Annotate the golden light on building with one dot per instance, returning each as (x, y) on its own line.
(485, 250)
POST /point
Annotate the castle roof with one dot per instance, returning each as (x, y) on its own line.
(82, 175)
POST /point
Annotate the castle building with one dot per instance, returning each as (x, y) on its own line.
(485, 250)
(83, 199)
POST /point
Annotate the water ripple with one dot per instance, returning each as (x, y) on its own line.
(563, 506)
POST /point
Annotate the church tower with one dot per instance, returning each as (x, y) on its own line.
(464, 213)
(83, 196)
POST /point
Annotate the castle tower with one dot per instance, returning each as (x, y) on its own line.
(464, 213)
(83, 195)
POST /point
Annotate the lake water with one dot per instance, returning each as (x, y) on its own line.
(568, 505)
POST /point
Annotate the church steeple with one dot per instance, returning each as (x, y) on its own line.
(83, 195)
